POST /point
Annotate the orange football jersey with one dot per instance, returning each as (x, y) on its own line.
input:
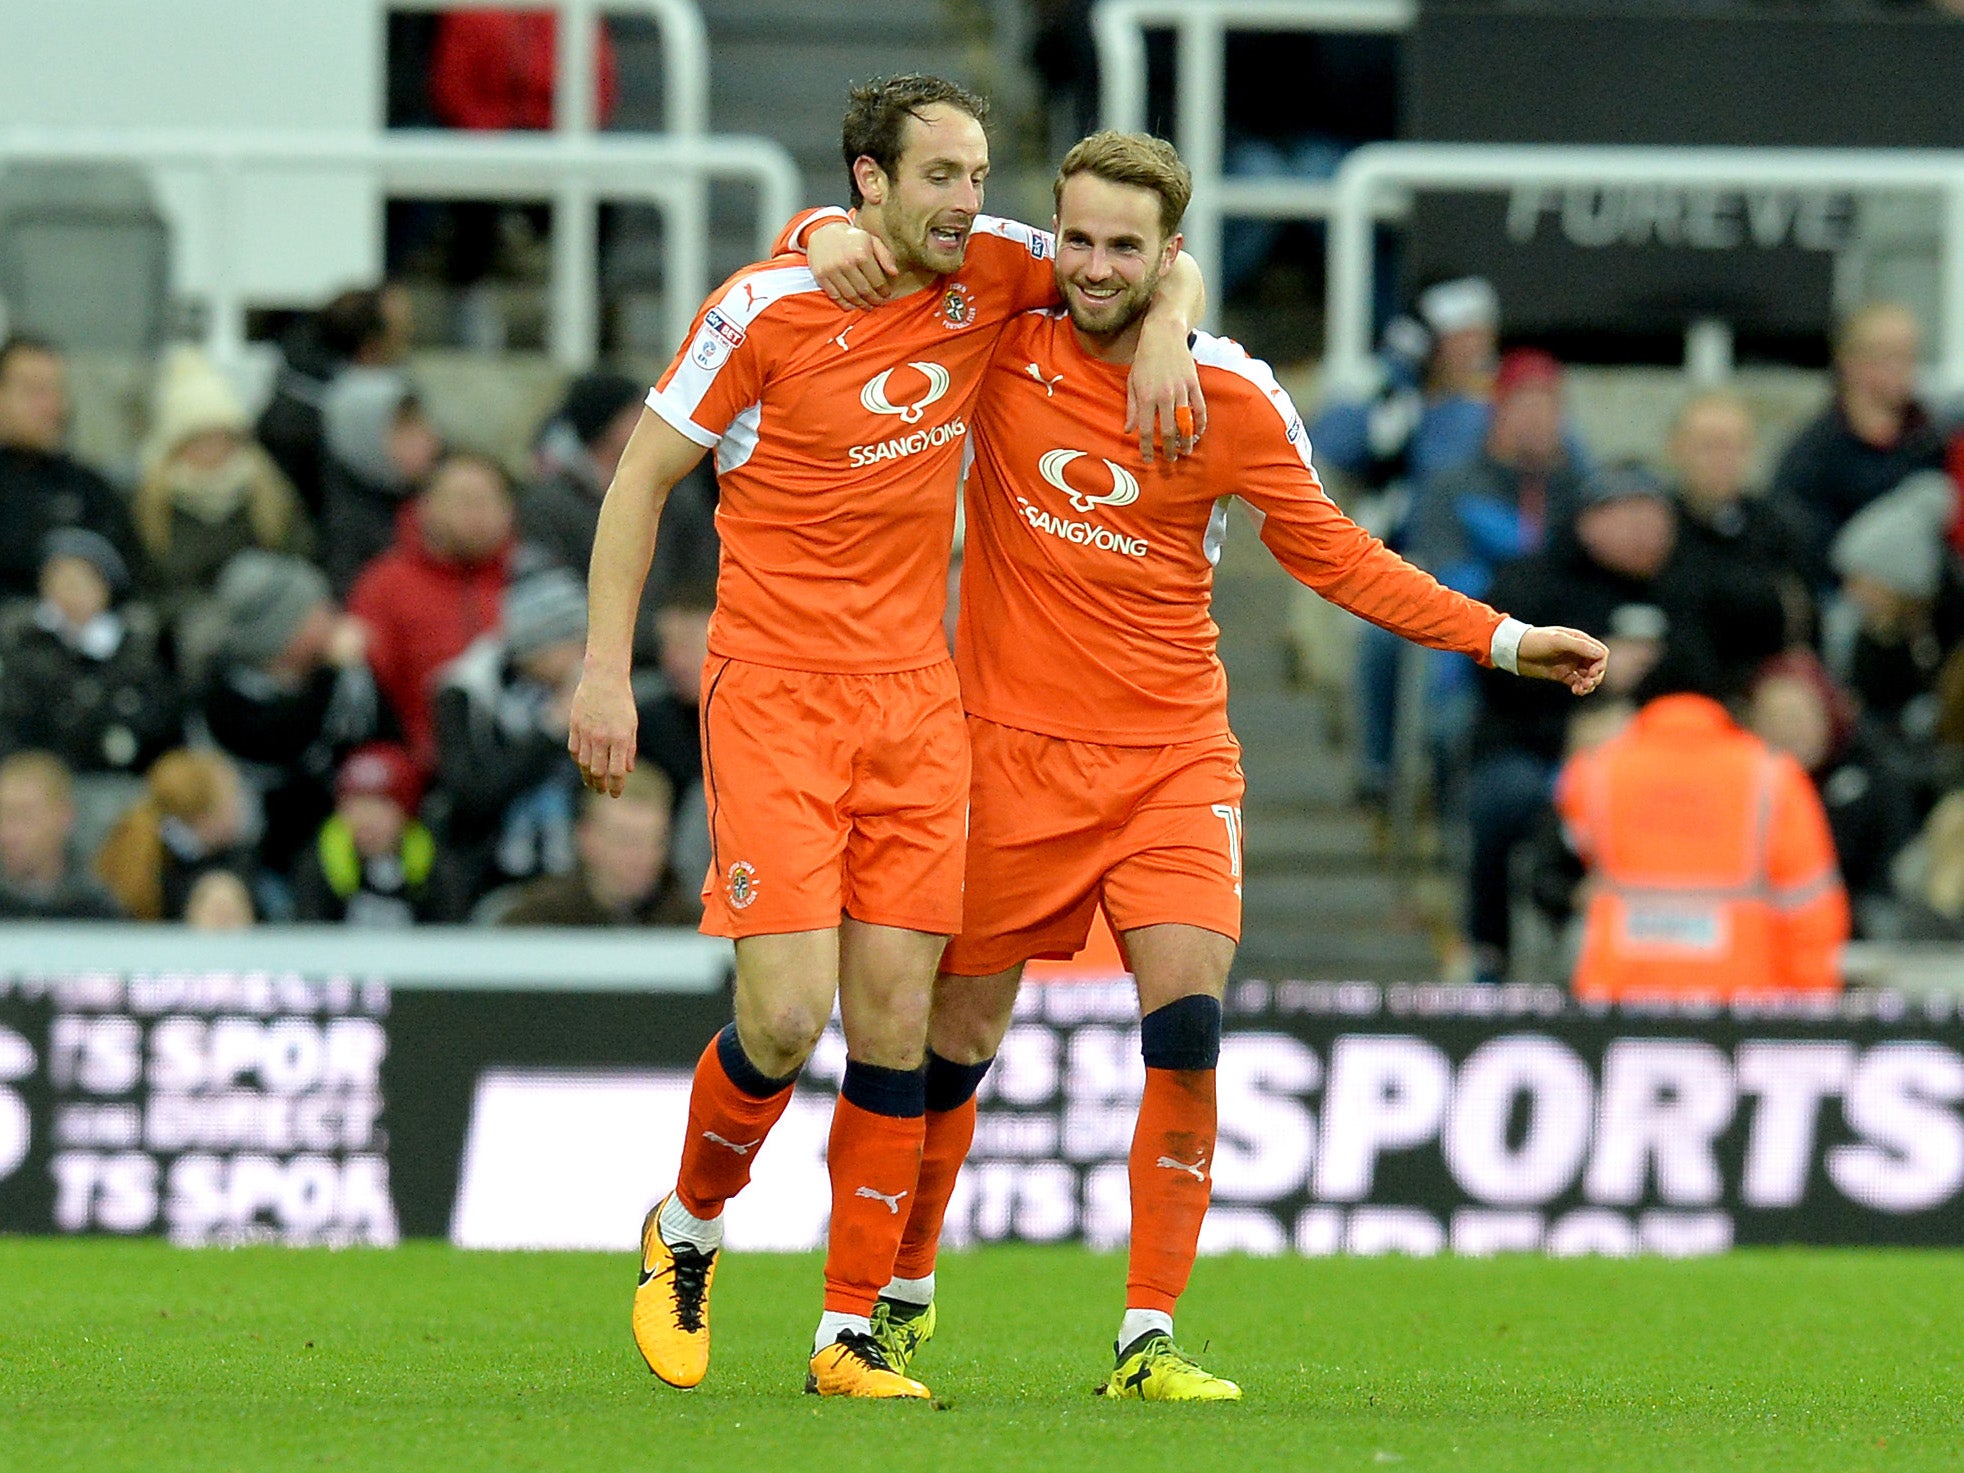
(1088, 573)
(839, 438)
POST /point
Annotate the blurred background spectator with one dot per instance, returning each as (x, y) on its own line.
(437, 589)
(506, 785)
(41, 878)
(289, 693)
(193, 818)
(624, 877)
(42, 488)
(368, 327)
(219, 901)
(208, 490)
(373, 863)
(380, 447)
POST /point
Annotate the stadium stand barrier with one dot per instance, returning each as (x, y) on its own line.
(1119, 28)
(658, 171)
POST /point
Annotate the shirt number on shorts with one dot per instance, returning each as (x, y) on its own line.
(1228, 814)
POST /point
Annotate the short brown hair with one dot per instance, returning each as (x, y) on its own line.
(877, 113)
(1136, 159)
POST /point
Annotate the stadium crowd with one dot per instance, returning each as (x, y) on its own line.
(317, 666)
(1826, 607)
(329, 656)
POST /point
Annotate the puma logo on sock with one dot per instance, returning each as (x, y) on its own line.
(742, 1150)
(1197, 1170)
(893, 1202)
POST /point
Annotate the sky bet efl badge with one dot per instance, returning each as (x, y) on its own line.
(957, 305)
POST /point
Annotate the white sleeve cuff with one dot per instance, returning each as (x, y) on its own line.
(1506, 649)
(680, 422)
(823, 215)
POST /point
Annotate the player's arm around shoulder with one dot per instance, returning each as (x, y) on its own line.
(1163, 397)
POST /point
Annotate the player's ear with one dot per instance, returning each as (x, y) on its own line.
(1172, 251)
(871, 179)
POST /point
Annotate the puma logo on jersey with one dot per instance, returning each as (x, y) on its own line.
(893, 1202)
(1197, 1170)
(742, 1150)
(1125, 488)
(874, 396)
(1049, 384)
(841, 338)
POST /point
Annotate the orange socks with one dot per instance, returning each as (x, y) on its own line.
(1172, 1161)
(874, 1156)
(732, 1107)
(950, 1094)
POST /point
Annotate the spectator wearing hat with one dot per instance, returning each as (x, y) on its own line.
(1464, 524)
(208, 490)
(508, 786)
(437, 589)
(373, 862)
(1872, 434)
(42, 487)
(80, 674)
(1425, 411)
(1619, 571)
(289, 694)
(1901, 603)
(194, 817)
(624, 876)
(380, 447)
(39, 878)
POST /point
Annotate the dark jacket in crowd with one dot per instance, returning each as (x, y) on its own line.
(1562, 584)
(332, 883)
(79, 897)
(567, 900)
(1829, 473)
(289, 742)
(670, 730)
(1871, 811)
(508, 789)
(290, 425)
(103, 704)
(40, 493)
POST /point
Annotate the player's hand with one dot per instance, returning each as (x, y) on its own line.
(853, 266)
(1550, 652)
(1163, 401)
(601, 730)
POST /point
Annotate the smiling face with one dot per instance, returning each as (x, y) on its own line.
(925, 207)
(1111, 253)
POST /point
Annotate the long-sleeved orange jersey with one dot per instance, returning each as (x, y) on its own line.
(1087, 572)
(1713, 869)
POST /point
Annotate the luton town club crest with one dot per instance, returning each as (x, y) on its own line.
(743, 885)
(957, 305)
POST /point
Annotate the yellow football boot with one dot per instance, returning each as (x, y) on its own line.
(902, 1329)
(671, 1306)
(1153, 1368)
(854, 1365)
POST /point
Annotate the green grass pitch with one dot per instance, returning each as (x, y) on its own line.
(133, 1355)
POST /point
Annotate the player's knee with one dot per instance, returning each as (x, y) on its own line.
(785, 1031)
(969, 1020)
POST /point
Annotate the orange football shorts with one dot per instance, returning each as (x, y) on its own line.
(1058, 828)
(832, 795)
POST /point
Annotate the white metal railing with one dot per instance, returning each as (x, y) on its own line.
(685, 105)
(1373, 170)
(476, 959)
(658, 170)
(1201, 28)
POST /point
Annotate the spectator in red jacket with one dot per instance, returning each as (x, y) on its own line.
(438, 588)
(494, 69)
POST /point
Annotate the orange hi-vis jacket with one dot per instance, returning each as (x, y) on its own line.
(1712, 869)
